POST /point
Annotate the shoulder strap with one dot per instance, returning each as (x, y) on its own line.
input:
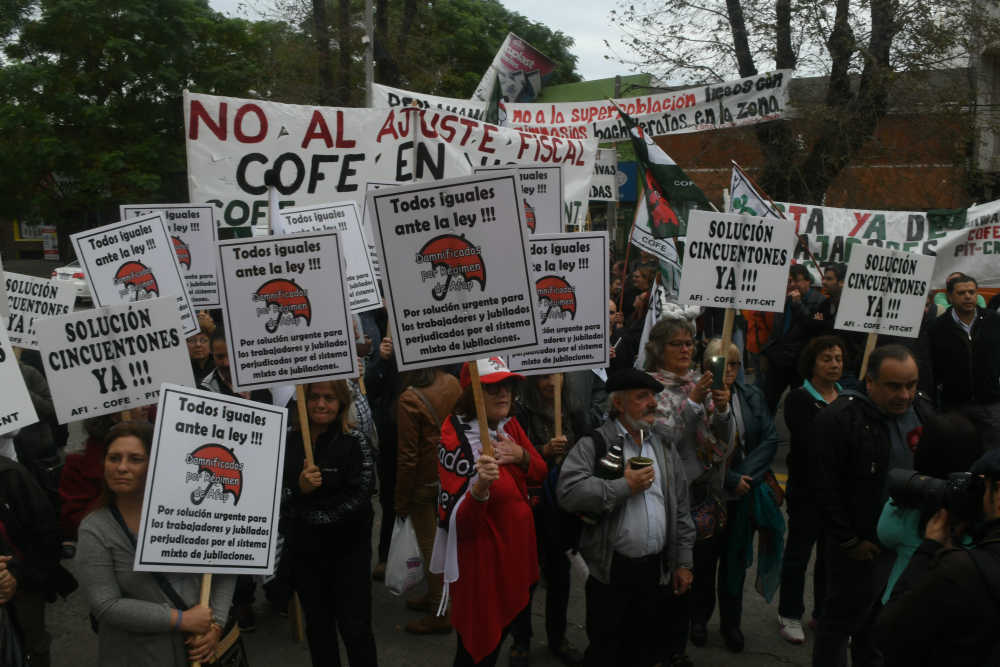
(427, 402)
(161, 581)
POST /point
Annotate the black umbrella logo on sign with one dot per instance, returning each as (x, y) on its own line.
(555, 293)
(458, 257)
(224, 468)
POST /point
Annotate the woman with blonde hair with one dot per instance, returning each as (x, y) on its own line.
(330, 537)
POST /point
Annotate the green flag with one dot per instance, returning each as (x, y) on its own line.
(665, 185)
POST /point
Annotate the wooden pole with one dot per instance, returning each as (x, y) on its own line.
(557, 380)
(628, 246)
(727, 332)
(300, 398)
(206, 594)
(295, 618)
(477, 393)
(126, 415)
(869, 346)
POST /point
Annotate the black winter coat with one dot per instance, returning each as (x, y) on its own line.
(967, 368)
(800, 417)
(848, 465)
(784, 347)
(31, 527)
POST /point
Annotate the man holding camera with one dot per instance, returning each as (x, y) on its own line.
(945, 608)
(860, 437)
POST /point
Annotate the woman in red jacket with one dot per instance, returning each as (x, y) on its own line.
(485, 543)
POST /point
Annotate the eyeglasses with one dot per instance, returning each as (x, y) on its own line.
(494, 388)
(678, 344)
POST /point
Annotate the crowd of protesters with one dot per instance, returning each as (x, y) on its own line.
(652, 481)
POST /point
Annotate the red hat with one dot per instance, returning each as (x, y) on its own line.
(490, 370)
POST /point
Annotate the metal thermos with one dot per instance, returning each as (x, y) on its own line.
(610, 467)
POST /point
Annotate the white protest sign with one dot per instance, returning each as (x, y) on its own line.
(541, 191)
(342, 218)
(113, 358)
(604, 183)
(214, 485)
(571, 283)
(454, 269)
(286, 310)
(885, 291)
(16, 408)
(131, 261)
(193, 233)
(736, 261)
(4, 307)
(326, 154)
(31, 299)
(366, 221)
(385, 97)
(972, 250)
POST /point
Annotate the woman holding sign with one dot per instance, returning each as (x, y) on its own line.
(486, 543)
(139, 625)
(330, 539)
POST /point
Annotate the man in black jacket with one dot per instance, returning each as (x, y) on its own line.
(945, 608)
(859, 438)
(965, 349)
(790, 333)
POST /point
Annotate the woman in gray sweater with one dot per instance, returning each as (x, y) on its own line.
(138, 625)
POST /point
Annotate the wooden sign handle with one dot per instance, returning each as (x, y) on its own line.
(126, 415)
(205, 598)
(557, 380)
(477, 393)
(300, 398)
(869, 346)
(727, 332)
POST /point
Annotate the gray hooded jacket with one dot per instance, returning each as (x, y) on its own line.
(580, 491)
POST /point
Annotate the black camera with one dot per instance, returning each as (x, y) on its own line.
(961, 494)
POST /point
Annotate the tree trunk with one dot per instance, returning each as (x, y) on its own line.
(344, 40)
(386, 69)
(326, 94)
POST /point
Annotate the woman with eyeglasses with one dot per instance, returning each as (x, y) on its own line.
(485, 543)
(330, 538)
(752, 446)
(138, 624)
(200, 350)
(698, 421)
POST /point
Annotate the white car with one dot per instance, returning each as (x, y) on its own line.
(73, 273)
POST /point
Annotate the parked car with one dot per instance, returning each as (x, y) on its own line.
(73, 272)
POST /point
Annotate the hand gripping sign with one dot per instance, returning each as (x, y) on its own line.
(571, 273)
(112, 358)
(454, 269)
(884, 291)
(214, 485)
(736, 261)
(540, 188)
(131, 261)
(193, 235)
(287, 316)
(342, 218)
(16, 408)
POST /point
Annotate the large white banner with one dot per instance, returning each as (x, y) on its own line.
(132, 261)
(286, 310)
(385, 97)
(31, 299)
(454, 268)
(736, 261)
(972, 250)
(326, 154)
(571, 284)
(540, 188)
(344, 219)
(113, 358)
(16, 408)
(885, 292)
(193, 233)
(213, 490)
(604, 183)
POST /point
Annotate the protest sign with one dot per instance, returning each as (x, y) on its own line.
(131, 261)
(4, 306)
(385, 97)
(604, 183)
(113, 358)
(571, 285)
(972, 249)
(454, 269)
(736, 261)
(285, 306)
(520, 71)
(16, 408)
(214, 485)
(747, 101)
(325, 154)
(540, 188)
(366, 221)
(31, 299)
(192, 231)
(343, 218)
(884, 292)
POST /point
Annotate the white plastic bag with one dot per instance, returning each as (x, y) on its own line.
(405, 568)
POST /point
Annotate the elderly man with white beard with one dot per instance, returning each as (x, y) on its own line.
(643, 535)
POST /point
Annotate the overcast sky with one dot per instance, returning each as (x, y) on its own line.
(586, 21)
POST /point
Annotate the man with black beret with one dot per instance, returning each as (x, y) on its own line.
(643, 536)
